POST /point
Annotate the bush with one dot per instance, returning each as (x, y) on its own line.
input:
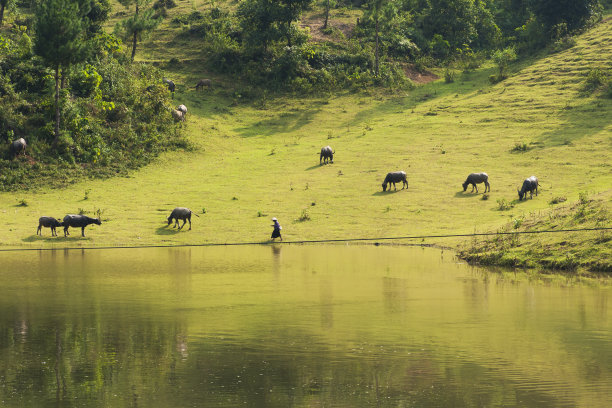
(504, 205)
(596, 78)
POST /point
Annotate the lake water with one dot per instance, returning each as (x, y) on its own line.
(295, 326)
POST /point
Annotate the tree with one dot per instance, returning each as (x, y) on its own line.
(140, 24)
(59, 41)
(4, 4)
(265, 21)
(574, 13)
(381, 13)
(452, 19)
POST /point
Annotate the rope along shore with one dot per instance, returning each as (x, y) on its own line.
(313, 241)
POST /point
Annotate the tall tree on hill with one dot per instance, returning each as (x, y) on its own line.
(381, 13)
(574, 13)
(266, 21)
(59, 41)
(290, 11)
(4, 4)
(140, 24)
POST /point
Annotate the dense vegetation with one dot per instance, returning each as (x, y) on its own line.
(72, 94)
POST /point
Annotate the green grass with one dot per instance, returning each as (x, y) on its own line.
(261, 157)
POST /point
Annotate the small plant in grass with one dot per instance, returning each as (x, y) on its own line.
(388, 209)
(203, 210)
(82, 211)
(261, 214)
(558, 200)
(86, 197)
(234, 198)
(504, 205)
(583, 197)
(517, 222)
(595, 79)
(304, 216)
(449, 76)
(23, 203)
(485, 197)
(520, 147)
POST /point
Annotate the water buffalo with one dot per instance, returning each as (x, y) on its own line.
(18, 147)
(395, 177)
(477, 178)
(181, 213)
(82, 221)
(178, 115)
(48, 222)
(529, 185)
(182, 108)
(169, 84)
(326, 154)
(203, 83)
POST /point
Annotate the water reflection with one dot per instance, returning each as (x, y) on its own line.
(284, 326)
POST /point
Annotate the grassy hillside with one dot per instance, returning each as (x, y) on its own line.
(258, 159)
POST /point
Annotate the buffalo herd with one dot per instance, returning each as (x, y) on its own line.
(326, 156)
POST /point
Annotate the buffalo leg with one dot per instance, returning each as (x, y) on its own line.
(82, 231)
(189, 223)
(184, 222)
(38, 230)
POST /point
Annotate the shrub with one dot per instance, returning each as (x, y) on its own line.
(558, 200)
(596, 78)
(520, 147)
(449, 76)
(504, 205)
(304, 216)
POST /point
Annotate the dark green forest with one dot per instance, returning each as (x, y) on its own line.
(87, 107)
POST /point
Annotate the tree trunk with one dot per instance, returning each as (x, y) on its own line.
(1, 13)
(135, 39)
(63, 79)
(57, 107)
(134, 42)
(376, 51)
(326, 14)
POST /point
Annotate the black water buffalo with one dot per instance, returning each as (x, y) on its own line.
(181, 213)
(203, 83)
(477, 178)
(326, 154)
(48, 222)
(529, 185)
(395, 177)
(18, 147)
(72, 220)
(169, 84)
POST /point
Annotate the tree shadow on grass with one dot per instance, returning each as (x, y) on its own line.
(166, 230)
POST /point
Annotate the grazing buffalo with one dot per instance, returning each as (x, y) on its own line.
(178, 115)
(181, 213)
(169, 84)
(326, 154)
(182, 108)
(477, 178)
(18, 147)
(395, 177)
(48, 222)
(203, 83)
(82, 221)
(529, 185)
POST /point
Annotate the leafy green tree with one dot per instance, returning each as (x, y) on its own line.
(4, 4)
(502, 59)
(452, 19)
(97, 15)
(575, 13)
(59, 41)
(137, 26)
(266, 21)
(381, 13)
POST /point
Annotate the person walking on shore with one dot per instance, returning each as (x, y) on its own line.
(277, 229)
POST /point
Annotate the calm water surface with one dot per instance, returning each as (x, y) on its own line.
(294, 326)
